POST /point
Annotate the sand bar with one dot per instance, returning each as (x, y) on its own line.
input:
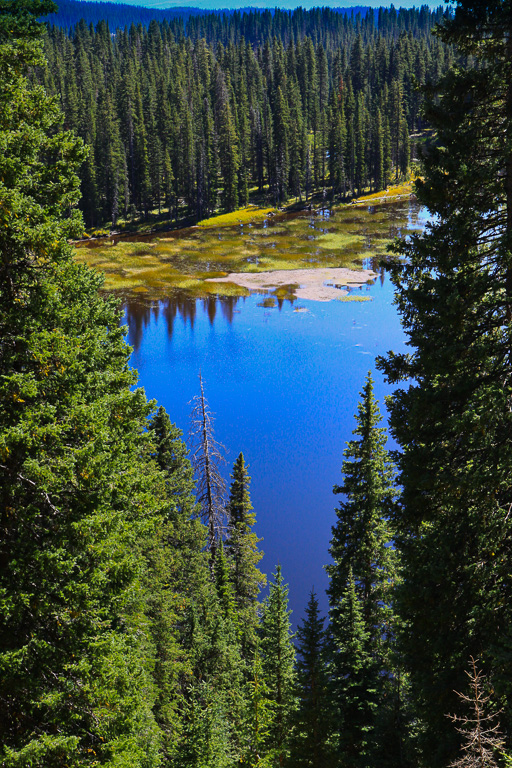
(315, 284)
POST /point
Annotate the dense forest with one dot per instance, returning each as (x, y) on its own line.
(132, 634)
(274, 104)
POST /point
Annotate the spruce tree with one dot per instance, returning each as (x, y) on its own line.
(278, 659)
(354, 681)
(360, 599)
(259, 719)
(79, 497)
(451, 414)
(244, 555)
(362, 536)
(310, 748)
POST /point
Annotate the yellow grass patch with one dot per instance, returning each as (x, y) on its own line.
(242, 216)
(390, 193)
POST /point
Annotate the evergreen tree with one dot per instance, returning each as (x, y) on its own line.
(216, 703)
(310, 748)
(229, 157)
(362, 536)
(79, 499)
(171, 455)
(354, 680)
(172, 116)
(242, 551)
(259, 719)
(278, 658)
(281, 149)
(363, 570)
(452, 415)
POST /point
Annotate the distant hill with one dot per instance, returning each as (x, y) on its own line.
(123, 14)
(116, 14)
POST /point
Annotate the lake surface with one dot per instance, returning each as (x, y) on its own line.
(284, 385)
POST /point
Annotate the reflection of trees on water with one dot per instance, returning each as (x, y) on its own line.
(139, 315)
(210, 307)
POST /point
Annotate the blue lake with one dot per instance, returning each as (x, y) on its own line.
(284, 385)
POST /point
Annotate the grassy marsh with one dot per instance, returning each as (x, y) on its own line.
(259, 241)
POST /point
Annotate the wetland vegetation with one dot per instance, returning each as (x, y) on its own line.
(260, 241)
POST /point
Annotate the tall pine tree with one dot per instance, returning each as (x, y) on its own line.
(452, 413)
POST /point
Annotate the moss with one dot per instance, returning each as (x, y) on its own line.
(396, 190)
(286, 292)
(339, 240)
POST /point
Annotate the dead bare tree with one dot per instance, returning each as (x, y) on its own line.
(207, 455)
(480, 731)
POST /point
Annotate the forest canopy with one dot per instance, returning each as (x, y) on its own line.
(259, 105)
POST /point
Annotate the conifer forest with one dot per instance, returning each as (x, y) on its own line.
(137, 628)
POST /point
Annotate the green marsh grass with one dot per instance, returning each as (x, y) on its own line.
(182, 260)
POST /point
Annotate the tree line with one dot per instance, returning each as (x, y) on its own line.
(132, 631)
(188, 123)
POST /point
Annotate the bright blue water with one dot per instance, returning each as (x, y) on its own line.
(284, 385)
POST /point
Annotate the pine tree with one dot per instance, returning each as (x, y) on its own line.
(354, 679)
(310, 747)
(278, 658)
(242, 551)
(452, 415)
(229, 157)
(259, 719)
(171, 456)
(79, 499)
(216, 702)
(362, 535)
(363, 570)
(281, 149)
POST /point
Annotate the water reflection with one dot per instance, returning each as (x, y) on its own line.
(139, 314)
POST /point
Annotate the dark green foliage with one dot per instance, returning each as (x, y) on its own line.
(310, 747)
(354, 679)
(362, 536)
(215, 707)
(452, 414)
(77, 511)
(171, 455)
(177, 558)
(91, 667)
(278, 658)
(244, 555)
(361, 627)
(259, 719)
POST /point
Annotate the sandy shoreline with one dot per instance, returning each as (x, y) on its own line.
(316, 284)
